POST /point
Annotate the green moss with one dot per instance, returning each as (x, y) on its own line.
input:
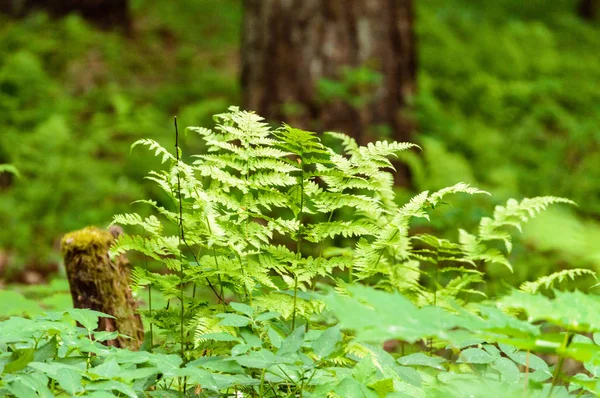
(86, 239)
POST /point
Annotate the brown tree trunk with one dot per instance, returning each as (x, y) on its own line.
(342, 65)
(104, 13)
(589, 9)
(101, 284)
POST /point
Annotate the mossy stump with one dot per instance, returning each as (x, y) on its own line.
(102, 284)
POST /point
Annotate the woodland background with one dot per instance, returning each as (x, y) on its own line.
(504, 95)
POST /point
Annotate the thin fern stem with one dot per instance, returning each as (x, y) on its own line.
(149, 302)
(180, 221)
(150, 312)
(181, 238)
(298, 241)
(435, 292)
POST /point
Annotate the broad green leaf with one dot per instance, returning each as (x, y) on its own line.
(34, 383)
(108, 369)
(46, 351)
(104, 336)
(274, 337)
(240, 349)
(267, 316)
(525, 358)
(475, 355)
(20, 390)
(326, 344)
(292, 343)
(374, 316)
(200, 377)
(69, 380)
(99, 394)
(261, 359)
(575, 311)
(19, 360)
(350, 388)
(383, 387)
(138, 373)
(87, 318)
(251, 339)
(112, 385)
(234, 320)
(420, 359)
(509, 372)
(66, 376)
(242, 308)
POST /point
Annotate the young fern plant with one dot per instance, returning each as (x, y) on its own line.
(266, 213)
(257, 209)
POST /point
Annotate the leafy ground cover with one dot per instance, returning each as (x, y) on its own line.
(69, 113)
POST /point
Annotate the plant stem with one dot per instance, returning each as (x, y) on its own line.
(262, 383)
(149, 302)
(298, 241)
(559, 365)
(181, 238)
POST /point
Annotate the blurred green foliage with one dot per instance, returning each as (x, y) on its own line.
(513, 88)
(508, 95)
(72, 99)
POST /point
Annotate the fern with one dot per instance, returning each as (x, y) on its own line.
(9, 168)
(514, 214)
(549, 280)
(156, 147)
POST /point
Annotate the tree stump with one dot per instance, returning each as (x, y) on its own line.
(102, 284)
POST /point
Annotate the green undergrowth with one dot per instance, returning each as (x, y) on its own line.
(505, 97)
(72, 98)
(292, 266)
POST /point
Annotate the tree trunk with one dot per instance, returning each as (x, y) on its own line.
(104, 13)
(342, 65)
(589, 9)
(101, 284)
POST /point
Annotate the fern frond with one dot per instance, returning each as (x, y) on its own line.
(549, 280)
(476, 251)
(461, 187)
(320, 231)
(156, 147)
(9, 168)
(378, 153)
(150, 224)
(514, 214)
(349, 143)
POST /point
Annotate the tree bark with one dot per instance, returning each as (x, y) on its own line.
(104, 13)
(589, 9)
(292, 49)
(102, 284)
